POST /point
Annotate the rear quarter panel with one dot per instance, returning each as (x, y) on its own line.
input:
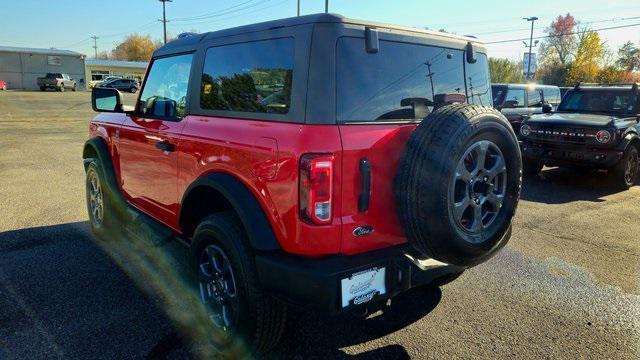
(264, 156)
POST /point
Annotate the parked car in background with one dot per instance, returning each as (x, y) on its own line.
(96, 82)
(297, 178)
(56, 81)
(3, 85)
(518, 102)
(595, 126)
(129, 85)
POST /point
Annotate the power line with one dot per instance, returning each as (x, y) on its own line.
(222, 12)
(581, 23)
(238, 15)
(550, 36)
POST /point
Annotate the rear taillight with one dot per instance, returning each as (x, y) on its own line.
(316, 188)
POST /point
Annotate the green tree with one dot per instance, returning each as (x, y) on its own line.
(553, 73)
(505, 71)
(629, 57)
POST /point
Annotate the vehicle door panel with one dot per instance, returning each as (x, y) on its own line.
(148, 173)
(150, 137)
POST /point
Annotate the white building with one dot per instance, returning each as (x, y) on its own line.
(20, 67)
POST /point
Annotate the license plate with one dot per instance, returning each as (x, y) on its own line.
(361, 287)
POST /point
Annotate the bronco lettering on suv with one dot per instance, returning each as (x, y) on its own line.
(313, 161)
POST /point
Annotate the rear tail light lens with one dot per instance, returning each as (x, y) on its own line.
(316, 188)
(603, 136)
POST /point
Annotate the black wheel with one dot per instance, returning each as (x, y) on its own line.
(74, 88)
(459, 183)
(228, 283)
(626, 171)
(98, 202)
(531, 167)
(61, 88)
(42, 88)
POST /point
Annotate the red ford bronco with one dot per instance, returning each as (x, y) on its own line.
(314, 161)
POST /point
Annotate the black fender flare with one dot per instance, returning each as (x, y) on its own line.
(630, 136)
(245, 205)
(149, 228)
(98, 146)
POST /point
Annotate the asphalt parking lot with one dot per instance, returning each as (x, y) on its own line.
(566, 286)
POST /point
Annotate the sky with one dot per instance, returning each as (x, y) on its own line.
(68, 24)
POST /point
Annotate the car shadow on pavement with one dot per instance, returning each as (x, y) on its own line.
(61, 296)
(61, 293)
(560, 186)
(310, 335)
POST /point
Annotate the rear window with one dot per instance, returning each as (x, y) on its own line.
(552, 95)
(249, 77)
(54, 75)
(400, 80)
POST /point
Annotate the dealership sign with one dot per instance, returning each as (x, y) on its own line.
(54, 60)
(525, 64)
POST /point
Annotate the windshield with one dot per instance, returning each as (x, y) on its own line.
(604, 101)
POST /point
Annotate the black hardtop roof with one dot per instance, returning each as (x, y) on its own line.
(184, 43)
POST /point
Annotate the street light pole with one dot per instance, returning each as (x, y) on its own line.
(532, 19)
(298, 7)
(164, 18)
(326, 6)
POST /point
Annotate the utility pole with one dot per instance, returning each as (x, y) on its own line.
(430, 76)
(298, 7)
(532, 19)
(326, 6)
(95, 45)
(164, 18)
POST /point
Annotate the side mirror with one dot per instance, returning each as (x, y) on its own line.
(547, 108)
(106, 100)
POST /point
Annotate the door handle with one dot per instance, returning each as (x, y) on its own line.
(165, 146)
(365, 195)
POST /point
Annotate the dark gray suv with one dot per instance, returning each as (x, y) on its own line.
(129, 85)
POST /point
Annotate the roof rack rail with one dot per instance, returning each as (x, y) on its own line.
(634, 86)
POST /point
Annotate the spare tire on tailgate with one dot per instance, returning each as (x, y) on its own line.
(458, 184)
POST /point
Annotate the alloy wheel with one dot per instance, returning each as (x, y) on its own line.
(96, 199)
(631, 168)
(218, 289)
(478, 187)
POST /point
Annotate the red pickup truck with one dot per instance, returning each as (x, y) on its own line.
(315, 161)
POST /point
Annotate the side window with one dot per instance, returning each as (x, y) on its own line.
(249, 77)
(401, 81)
(514, 98)
(478, 83)
(165, 92)
(534, 98)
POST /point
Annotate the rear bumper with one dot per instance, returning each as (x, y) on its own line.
(316, 283)
(571, 155)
